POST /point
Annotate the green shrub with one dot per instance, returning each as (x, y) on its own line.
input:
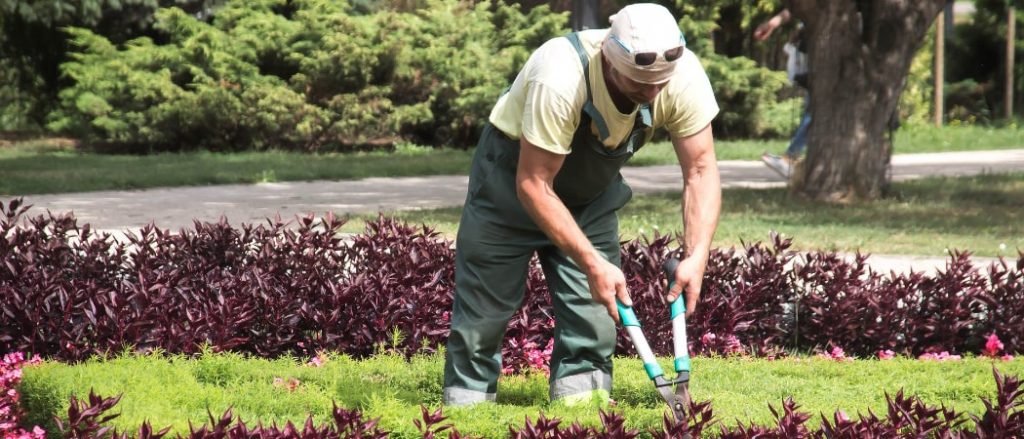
(317, 75)
(303, 75)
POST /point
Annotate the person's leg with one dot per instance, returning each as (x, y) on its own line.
(581, 365)
(799, 142)
(490, 281)
(584, 333)
(495, 243)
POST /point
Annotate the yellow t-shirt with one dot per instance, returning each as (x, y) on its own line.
(546, 100)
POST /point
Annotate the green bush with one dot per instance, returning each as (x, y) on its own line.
(304, 75)
(317, 75)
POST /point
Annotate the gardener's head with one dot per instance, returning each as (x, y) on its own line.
(643, 47)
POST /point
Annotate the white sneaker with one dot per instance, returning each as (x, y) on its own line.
(778, 164)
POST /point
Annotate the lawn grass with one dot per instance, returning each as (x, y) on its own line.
(922, 217)
(42, 167)
(908, 140)
(173, 391)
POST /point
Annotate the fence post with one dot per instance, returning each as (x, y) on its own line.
(1011, 24)
(940, 66)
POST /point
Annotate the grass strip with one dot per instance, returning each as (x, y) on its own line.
(908, 140)
(175, 390)
(921, 217)
(43, 167)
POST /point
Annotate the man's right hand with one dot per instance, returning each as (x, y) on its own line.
(606, 284)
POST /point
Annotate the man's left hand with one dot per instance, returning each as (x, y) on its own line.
(689, 277)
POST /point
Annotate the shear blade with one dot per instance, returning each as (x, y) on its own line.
(675, 402)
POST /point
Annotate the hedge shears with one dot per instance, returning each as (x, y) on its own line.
(675, 392)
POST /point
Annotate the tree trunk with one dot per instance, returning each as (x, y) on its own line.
(859, 56)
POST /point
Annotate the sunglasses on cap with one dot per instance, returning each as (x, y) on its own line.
(648, 58)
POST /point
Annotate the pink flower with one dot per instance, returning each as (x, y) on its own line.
(317, 361)
(1006, 357)
(886, 355)
(539, 359)
(992, 346)
(941, 356)
(708, 338)
(837, 354)
(732, 345)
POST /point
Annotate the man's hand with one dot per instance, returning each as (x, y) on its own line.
(689, 277)
(606, 284)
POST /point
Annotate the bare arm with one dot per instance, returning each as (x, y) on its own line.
(701, 204)
(765, 30)
(535, 178)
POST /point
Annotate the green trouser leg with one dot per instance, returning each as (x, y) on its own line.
(584, 332)
(495, 243)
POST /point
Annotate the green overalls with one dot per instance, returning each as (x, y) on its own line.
(496, 240)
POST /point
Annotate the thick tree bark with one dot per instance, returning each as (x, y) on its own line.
(859, 56)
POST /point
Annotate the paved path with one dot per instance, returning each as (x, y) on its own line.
(175, 208)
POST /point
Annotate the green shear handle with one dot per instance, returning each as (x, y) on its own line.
(678, 399)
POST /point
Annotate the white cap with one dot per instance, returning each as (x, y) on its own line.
(644, 27)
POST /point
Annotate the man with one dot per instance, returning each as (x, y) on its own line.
(545, 179)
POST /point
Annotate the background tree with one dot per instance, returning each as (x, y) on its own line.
(860, 52)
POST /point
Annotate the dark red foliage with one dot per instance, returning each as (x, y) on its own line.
(612, 427)
(1005, 417)
(67, 292)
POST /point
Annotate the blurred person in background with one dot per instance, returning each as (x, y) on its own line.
(796, 70)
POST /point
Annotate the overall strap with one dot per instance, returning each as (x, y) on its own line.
(645, 114)
(588, 107)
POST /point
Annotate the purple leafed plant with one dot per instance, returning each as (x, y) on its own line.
(298, 287)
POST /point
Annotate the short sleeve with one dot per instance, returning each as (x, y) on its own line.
(549, 119)
(691, 106)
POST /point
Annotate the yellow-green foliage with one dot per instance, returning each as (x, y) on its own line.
(175, 390)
